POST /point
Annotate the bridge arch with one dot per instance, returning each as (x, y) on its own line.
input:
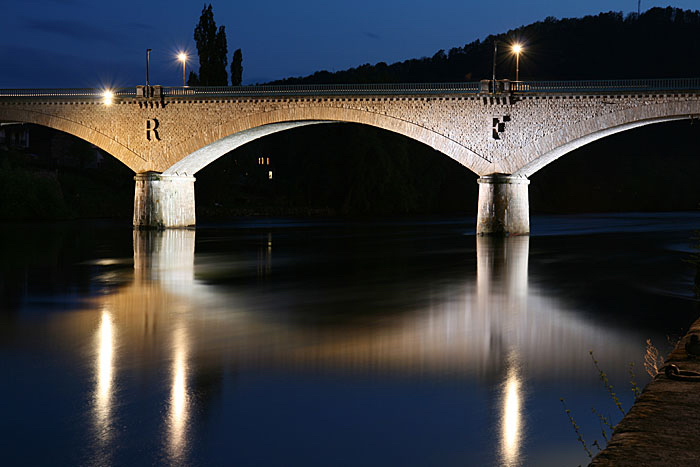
(557, 144)
(197, 151)
(75, 128)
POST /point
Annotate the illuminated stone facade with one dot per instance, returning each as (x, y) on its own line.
(513, 135)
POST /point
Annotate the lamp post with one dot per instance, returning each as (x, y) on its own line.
(183, 58)
(148, 59)
(495, 51)
(517, 48)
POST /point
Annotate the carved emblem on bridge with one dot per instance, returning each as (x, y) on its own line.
(152, 129)
(499, 125)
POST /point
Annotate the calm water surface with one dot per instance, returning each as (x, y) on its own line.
(281, 342)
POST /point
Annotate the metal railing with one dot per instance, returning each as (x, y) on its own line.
(324, 89)
(524, 87)
(617, 85)
(68, 93)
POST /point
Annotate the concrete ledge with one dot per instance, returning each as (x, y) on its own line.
(662, 428)
(503, 179)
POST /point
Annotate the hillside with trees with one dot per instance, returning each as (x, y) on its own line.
(660, 43)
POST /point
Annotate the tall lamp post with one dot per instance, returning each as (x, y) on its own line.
(517, 48)
(183, 58)
(148, 59)
(495, 51)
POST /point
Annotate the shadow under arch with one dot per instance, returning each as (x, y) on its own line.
(199, 159)
(74, 128)
(583, 136)
(249, 128)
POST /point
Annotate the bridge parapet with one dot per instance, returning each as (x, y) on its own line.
(624, 86)
(632, 86)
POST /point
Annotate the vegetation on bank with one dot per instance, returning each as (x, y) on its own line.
(653, 362)
(35, 188)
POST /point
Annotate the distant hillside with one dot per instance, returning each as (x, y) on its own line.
(661, 43)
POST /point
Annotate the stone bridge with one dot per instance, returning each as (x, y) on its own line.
(503, 133)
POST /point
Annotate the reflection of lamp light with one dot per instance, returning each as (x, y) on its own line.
(178, 395)
(104, 370)
(511, 420)
(511, 414)
(178, 400)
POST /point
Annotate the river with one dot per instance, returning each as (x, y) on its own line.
(297, 342)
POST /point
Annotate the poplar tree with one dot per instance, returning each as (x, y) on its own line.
(237, 68)
(212, 51)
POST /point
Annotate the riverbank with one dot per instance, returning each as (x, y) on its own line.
(662, 427)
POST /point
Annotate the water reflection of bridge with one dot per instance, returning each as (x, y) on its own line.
(498, 328)
(469, 327)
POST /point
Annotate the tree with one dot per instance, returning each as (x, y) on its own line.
(212, 51)
(237, 68)
(220, 60)
(193, 79)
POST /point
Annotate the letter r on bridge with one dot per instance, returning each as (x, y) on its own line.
(151, 129)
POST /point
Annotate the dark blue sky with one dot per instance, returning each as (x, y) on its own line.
(80, 43)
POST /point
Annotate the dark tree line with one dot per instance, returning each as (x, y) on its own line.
(660, 43)
(212, 50)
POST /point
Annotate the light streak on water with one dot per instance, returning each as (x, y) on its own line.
(511, 417)
(178, 411)
(104, 369)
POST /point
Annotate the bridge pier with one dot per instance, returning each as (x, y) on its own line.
(504, 208)
(163, 201)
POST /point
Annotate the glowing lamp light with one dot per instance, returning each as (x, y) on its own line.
(517, 48)
(107, 97)
(182, 56)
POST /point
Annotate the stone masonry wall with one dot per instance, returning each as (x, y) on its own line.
(485, 134)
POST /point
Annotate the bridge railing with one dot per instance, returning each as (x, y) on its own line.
(525, 87)
(68, 92)
(320, 89)
(617, 85)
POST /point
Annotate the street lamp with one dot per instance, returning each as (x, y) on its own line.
(107, 97)
(182, 56)
(495, 51)
(517, 48)
(148, 60)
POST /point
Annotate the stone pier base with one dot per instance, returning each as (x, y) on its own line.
(163, 201)
(503, 205)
